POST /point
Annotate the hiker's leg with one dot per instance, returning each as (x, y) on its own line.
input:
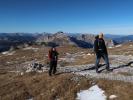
(54, 68)
(51, 67)
(106, 59)
(97, 62)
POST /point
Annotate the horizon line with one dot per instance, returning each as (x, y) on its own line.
(68, 33)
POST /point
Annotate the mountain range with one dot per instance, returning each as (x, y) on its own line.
(7, 40)
(120, 38)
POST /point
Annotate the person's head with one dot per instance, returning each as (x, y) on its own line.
(101, 35)
(53, 49)
(97, 36)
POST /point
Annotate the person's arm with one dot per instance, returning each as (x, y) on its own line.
(49, 55)
(96, 46)
(57, 56)
(105, 48)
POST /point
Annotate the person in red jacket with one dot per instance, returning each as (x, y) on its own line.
(53, 57)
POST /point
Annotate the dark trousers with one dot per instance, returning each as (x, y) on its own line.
(53, 65)
(105, 57)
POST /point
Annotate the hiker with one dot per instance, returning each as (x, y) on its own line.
(53, 57)
(101, 51)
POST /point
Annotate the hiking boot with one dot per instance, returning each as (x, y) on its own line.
(54, 73)
(97, 71)
(50, 74)
(109, 70)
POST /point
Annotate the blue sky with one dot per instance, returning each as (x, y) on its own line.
(87, 16)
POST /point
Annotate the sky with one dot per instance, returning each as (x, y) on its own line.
(74, 16)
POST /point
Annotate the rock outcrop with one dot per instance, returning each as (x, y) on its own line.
(80, 40)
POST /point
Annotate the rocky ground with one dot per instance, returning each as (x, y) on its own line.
(25, 71)
(121, 70)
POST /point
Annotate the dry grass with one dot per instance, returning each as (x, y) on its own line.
(62, 86)
(122, 90)
(125, 73)
(41, 86)
(86, 60)
(125, 49)
(21, 56)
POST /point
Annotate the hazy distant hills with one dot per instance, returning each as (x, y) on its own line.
(120, 38)
(17, 37)
(124, 39)
(8, 40)
(111, 36)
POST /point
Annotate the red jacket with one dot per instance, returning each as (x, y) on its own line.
(53, 55)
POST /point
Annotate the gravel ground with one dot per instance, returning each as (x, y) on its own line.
(121, 65)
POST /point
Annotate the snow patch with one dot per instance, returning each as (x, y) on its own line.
(4, 53)
(30, 99)
(8, 62)
(31, 48)
(110, 47)
(118, 46)
(112, 97)
(94, 93)
(89, 54)
(8, 53)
